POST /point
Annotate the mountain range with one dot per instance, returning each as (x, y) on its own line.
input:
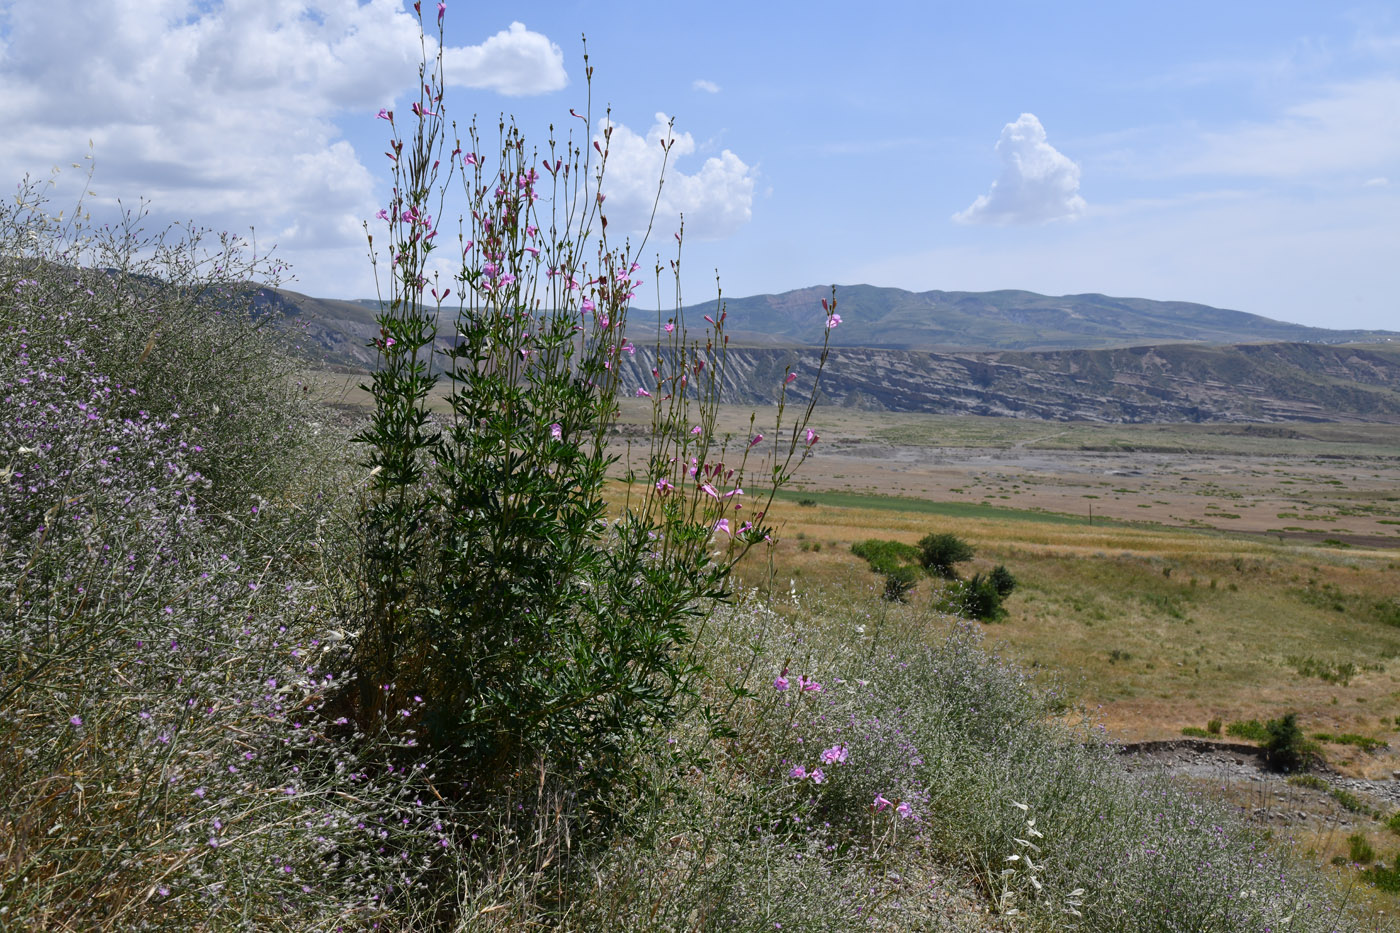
(1010, 353)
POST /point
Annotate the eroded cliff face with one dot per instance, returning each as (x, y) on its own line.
(1264, 382)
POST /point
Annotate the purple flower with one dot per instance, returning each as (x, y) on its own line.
(835, 755)
(818, 776)
(780, 683)
(904, 810)
(833, 321)
(76, 720)
(880, 802)
(556, 431)
(798, 773)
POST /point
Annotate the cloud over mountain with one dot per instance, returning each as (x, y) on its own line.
(1038, 183)
(716, 200)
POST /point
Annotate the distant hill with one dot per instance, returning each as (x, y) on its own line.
(1169, 383)
(1094, 358)
(893, 318)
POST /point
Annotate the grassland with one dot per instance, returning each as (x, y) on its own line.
(1159, 578)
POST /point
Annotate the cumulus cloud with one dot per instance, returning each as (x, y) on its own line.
(1038, 183)
(226, 111)
(514, 62)
(716, 200)
(709, 87)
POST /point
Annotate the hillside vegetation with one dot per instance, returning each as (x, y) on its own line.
(263, 670)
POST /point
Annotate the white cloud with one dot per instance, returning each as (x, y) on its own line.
(716, 200)
(1038, 183)
(1355, 127)
(225, 111)
(709, 87)
(1378, 182)
(513, 62)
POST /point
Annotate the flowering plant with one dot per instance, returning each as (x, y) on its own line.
(546, 619)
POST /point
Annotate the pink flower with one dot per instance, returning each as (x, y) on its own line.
(808, 684)
(664, 486)
(695, 430)
(904, 810)
(798, 773)
(75, 720)
(642, 392)
(670, 327)
(833, 321)
(812, 437)
(442, 10)
(757, 439)
(818, 776)
(723, 525)
(835, 755)
(709, 490)
(791, 378)
(385, 114)
(880, 803)
(556, 431)
(780, 683)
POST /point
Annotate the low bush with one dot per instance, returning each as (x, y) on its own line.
(886, 556)
(974, 598)
(1251, 729)
(1363, 742)
(1002, 580)
(899, 583)
(939, 553)
(1359, 849)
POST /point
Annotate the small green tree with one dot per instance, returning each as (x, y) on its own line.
(1002, 580)
(1286, 748)
(939, 552)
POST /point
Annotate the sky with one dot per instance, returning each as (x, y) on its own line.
(1244, 155)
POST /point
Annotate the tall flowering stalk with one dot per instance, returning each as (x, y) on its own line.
(544, 617)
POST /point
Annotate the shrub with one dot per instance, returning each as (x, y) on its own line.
(1359, 849)
(1363, 742)
(1002, 580)
(1195, 732)
(886, 556)
(1213, 727)
(1285, 747)
(939, 552)
(1251, 729)
(974, 598)
(898, 584)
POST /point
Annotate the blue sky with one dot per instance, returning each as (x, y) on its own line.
(1245, 155)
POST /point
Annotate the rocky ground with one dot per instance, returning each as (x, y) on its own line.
(1239, 773)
